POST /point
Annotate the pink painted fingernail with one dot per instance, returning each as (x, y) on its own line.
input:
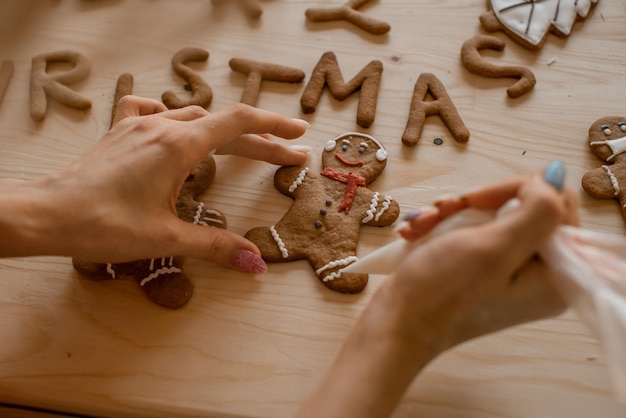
(249, 262)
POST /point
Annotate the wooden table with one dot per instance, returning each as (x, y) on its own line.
(257, 346)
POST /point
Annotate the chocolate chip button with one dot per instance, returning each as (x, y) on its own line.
(318, 224)
(329, 202)
(322, 211)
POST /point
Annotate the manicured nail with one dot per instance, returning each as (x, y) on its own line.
(301, 148)
(249, 262)
(413, 214)
(302, 122)
(554, 174)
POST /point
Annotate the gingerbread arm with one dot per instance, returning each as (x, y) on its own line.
(601, 183)
(287, 179)
(383, 211)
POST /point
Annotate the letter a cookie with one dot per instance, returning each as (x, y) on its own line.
(323, 224)
(163, 279)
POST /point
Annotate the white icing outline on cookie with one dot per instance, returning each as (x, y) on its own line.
(372, 208)
(341, 262)
(613, 179)
(386, 205)
(299, 179)
(279, 242)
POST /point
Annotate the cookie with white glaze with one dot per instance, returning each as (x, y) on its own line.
(529, 22)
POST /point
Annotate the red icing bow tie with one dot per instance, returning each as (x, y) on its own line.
(352, 181)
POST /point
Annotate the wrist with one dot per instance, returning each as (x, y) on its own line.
(377, 363)
(29, 222)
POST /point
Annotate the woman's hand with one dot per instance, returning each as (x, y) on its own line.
(117, 202)
(462, 284)
(488, 277)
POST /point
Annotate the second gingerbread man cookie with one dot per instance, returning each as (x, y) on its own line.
(607, 140)
(330, 206)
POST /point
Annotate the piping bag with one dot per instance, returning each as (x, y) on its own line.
(589, 273)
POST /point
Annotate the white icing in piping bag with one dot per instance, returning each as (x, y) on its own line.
(589, 272)
(385, 259)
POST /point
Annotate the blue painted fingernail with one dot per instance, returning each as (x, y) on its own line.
(554, 174)
(412, 214)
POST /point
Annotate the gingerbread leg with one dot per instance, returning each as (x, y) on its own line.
(164, 282)
(330, 274)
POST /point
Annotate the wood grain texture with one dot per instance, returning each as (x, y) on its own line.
(257, 346)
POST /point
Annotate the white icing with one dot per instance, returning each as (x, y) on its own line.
(333, 264)
(159, 272)
(299, 180)
(279, 242)
(152, 264)
(364, 145)
(205, 221)
(531, 20)
(613, 179)
(373, 205)
(110, 270)
(330, 145)
(617, 145)
(196, 218)
(386, 204)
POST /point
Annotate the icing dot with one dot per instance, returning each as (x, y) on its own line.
(318, 224)
(605, 129)
(361, 150)
(622, 125)
(344, 147)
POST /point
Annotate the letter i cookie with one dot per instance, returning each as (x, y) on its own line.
(163, 279)
(323, 224)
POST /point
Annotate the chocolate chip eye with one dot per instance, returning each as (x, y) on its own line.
(361, 150)
(606, 130)
(344, 147)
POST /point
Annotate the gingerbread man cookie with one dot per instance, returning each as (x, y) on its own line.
(323, 224)
(607, 140)
(163, 279)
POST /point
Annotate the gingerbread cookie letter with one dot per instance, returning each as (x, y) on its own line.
(202, 95)
(123, 87)
(163, 279)
(607, 140)
(476, 64)
(252, 7)
(349, 13)
(328, 73)
(43, 84)
(330, 206)
(441, 106)
(259, 71)
(6, 73)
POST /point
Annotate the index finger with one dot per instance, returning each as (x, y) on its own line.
(220, 128)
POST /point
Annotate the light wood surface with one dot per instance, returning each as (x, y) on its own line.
(257, 346)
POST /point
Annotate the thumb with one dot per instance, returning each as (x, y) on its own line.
(220, 246)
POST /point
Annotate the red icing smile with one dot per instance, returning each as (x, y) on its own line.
(349, 163)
